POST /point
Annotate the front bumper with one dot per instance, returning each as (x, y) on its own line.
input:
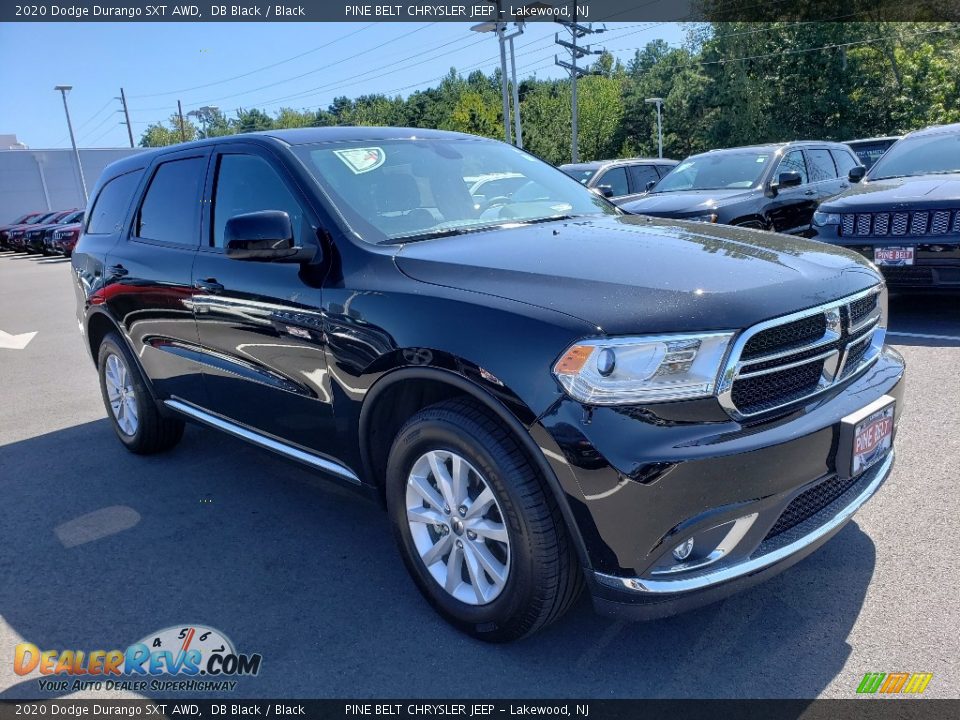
(640, 483)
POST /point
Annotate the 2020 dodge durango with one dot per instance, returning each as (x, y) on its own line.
(905, 213)
(545, 392)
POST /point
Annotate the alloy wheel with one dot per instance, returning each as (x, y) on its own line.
(120, 394)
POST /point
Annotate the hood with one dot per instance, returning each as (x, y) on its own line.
(678, 203)
(921, 191)
(634, 274)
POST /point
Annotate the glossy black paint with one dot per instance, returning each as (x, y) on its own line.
(787, 209)
(318, 353)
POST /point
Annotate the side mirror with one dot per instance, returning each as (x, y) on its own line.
(650, 184)
(266, 235)
(856, 173)
(605, 190)
(785, 180)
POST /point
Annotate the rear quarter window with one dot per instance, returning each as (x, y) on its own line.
(111, 204)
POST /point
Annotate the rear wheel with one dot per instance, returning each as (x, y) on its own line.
(130, 407)
(479, 531)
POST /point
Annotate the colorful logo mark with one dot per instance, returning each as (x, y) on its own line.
(894, 683)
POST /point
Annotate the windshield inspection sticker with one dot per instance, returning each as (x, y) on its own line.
(361, 160)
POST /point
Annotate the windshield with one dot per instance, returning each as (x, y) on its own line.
(720, 171)
(73, 217)
(922, 155)
(579, 173)
(43, 219)
(399, 190)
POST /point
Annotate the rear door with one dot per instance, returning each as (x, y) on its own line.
(824, 176)
(148, 273)
(260, 322)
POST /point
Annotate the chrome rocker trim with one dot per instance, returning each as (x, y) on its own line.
(263, 441)
(643, 586)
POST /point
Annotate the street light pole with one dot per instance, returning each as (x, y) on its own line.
(659, 103)
(76, 153)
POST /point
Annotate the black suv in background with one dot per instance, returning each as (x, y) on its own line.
(769, 187)
(544, 392)
(620, 180)
(869, 150)
(905, 214)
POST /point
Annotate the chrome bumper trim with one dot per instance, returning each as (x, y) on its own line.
(643, 586)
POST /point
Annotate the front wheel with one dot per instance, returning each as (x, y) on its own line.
(478, 530)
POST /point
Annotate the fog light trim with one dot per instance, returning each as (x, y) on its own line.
(730, 541)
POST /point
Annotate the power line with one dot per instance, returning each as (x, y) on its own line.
(256, 70)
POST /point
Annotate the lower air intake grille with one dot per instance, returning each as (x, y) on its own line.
(810, 502)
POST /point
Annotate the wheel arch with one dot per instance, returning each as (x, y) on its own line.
(430, 385)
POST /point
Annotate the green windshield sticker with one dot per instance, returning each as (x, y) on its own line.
(361, 160)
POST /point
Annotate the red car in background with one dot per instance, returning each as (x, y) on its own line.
(18, 234)
(61, 239)
(24, 219)
(35, 238)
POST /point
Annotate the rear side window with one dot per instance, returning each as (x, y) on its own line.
(820, 165)
(793, 162)
(616, 179)
(844, 161)
(170, 212)
(110, 208)
(640, 175)
(246, 184)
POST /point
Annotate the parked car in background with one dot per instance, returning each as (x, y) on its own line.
(544, 393)
(26, 236)
(768, 187)
(21, 220)
(869, 150)
(905, 213)
(16, 235)
(33, 240)
(620, 180)
(61, 239)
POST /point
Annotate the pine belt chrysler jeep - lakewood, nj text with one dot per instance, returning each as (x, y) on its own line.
(545, 392)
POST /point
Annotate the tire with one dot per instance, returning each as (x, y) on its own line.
(130, 406)
(540, 574)
(752, 225)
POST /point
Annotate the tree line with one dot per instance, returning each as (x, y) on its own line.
(728, 84)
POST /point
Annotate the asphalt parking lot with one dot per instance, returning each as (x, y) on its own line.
(99, 548)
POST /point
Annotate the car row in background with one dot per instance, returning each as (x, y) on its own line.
(620, 180)
(50, 233)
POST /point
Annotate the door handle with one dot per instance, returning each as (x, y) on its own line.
(118, 270)
(209, 285)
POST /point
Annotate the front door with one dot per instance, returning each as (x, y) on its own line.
(259, 322)
(792, 208)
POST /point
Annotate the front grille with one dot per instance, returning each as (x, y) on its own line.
(920, 223)
(784, 337)
(810, 502)
(907, 274)
(782, 363)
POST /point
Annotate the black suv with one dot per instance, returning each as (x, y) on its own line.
(905, 214)
(620, 180)
(544, 392)
(769, 187)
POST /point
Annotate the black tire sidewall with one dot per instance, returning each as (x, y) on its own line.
(417, 438)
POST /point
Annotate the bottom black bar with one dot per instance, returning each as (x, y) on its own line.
(867, 708)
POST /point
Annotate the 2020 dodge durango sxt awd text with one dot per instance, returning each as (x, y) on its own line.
(544, 391)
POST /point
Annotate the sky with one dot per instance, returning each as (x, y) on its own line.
(231, 65)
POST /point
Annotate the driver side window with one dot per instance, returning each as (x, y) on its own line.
(616, 178)
(246, 184)
(793, 162)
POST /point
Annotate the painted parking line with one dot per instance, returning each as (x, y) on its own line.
(923, 336)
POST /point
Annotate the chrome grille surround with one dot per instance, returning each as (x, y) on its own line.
(843, 339)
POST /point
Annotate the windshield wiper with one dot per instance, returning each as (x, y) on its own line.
(464, 229)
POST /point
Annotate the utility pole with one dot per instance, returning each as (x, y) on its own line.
(183, 131)
(76, 153)
(126, 114)
(500, 28)
(577, 31)
(517, 130)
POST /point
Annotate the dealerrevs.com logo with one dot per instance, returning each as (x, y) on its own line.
(898, 683)
(205, 656)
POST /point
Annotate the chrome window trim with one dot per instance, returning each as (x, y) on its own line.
(643, 586)
(735, 368)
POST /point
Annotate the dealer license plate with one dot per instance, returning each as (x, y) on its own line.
(893, 255)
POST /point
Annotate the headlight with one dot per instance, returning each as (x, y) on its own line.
(708, 218)
(625, 371)
(826, 218)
